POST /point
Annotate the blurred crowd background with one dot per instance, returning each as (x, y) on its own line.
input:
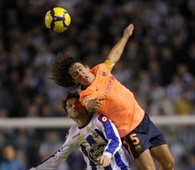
(157, 65)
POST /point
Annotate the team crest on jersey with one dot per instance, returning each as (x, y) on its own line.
(95, 135)
(86, 99)
(96, 151)
(138, 148)
(103, 73)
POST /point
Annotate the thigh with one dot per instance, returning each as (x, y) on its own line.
(145, 161)
(162, 154)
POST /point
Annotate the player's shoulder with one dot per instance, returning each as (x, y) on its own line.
(103, 65)
(73, 134)
(103, 119)
(101, 69)
(73, 130)
(99, 118)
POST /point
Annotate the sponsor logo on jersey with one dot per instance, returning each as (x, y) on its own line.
(109, 86)
(96, 151)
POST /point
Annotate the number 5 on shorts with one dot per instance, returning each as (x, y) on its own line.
(134, 138)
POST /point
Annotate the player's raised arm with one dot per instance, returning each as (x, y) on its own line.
(117, 50)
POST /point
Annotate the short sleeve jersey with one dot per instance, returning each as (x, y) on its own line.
(119, 105)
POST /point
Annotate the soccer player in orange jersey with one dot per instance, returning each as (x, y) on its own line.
(100, 91)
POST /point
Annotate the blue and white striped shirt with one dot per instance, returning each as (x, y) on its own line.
(99, 136)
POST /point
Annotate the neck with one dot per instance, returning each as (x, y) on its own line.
(83, 87)
(82, 121)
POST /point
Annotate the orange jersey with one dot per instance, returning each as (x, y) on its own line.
(119, 105)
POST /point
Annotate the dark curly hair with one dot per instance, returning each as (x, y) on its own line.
(60, 65)
(70, 95)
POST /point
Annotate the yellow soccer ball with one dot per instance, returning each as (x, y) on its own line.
(57, 19)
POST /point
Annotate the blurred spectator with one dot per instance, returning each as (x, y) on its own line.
(154, 74)
(183, 105)
(143, 88)
(160, 104)
(174, 89)
(10, 160)
(3, 112)
(191, 161)
(178, 150)
(167, 65)
(186, 77)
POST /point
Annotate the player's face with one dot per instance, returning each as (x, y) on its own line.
(81, 74)
(75, 109)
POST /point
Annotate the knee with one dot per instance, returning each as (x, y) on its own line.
(169, 165)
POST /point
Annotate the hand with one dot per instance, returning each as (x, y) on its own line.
(128, 31)
(94, 104)
(104, 160)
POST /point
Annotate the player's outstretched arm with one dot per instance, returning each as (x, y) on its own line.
(60, 156)
(118, 49)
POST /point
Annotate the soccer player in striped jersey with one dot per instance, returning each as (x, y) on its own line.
(94, 135)
(102, 92)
